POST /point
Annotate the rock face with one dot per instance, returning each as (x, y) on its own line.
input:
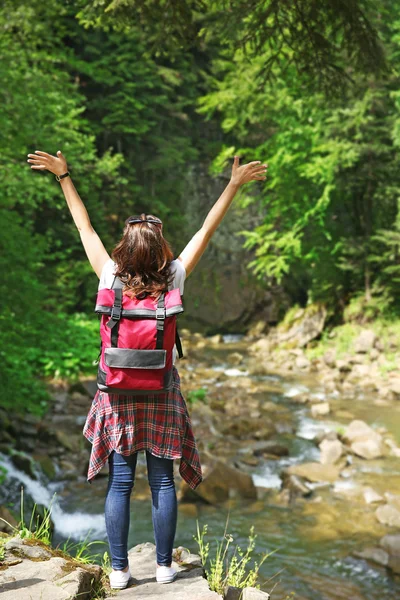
(190, 582)
(47, 577)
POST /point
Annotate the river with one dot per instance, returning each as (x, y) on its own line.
(313, 540)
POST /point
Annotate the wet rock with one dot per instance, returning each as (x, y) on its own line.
(371, 496)
(68, 440)
(320, 410)
(220, 482)
(314, 472)
(391, 544)
(331, 451)
(388, 515)
(365, 341)
(365, 441)
(270, 447)
(302, 327)
(376, 555)
(46, 465)
(24, 463)
(235, 358)
(296, 485)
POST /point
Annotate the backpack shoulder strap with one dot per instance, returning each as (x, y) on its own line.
(117, 284)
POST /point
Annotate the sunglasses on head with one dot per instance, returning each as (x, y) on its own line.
(139, 220)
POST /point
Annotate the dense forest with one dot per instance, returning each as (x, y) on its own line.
(142, 97)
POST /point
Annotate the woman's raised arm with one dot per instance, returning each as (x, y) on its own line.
(92, 244)
(192, 253)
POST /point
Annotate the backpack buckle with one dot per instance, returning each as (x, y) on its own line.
(116, 313)
(160, 312)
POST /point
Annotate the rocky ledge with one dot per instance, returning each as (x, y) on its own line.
(31, 570)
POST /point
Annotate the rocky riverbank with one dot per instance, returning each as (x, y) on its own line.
(276, 427)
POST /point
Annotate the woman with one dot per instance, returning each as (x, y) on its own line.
(120, 426)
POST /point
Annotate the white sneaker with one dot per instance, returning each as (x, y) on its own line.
(166, 574)
(119, 579)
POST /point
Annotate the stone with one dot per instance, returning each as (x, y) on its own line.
(190, 582)
(388, 515)
(394, 387)
(376, 555)
(235, 358)
(371, 496)
(391, 544)
(302, 327)
(270, 447)
(365, 341)
(232, 593)
(331, 451)
(18, 546)
(343, 365)
(44, 576)
(315, 472)
(251, 593)
(297, 486)
(220, 482)
(368, 449)
(329, 359)
(321, 409)
(216, 339)
(302, 362)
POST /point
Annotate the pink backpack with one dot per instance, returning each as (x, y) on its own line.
(137, 340)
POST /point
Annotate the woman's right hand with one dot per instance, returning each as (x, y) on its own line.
(54, 164)
(251, 171)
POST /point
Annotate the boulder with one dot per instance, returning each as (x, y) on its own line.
(269, 447)
(331, 451)
(320, 410)
(376, 555)
(329, 359)
(371, 496)
(365, 341)
(304, 325)
(302, 362)
(220, 482)
(388, 515)
(235, 358)
(364, 441)
(391, 544)
(297, 486)
(314, 472)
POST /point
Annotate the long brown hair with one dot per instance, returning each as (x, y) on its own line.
(143, 257)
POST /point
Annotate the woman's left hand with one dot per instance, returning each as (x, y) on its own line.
(251, 171)
(54, 164)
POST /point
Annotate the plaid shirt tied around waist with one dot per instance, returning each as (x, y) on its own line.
(128, 424)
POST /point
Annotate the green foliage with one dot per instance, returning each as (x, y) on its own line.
(195, 396)
(229, 568)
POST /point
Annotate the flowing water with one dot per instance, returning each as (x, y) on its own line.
(312, 540)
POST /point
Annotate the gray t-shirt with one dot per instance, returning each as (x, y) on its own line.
(107, 278)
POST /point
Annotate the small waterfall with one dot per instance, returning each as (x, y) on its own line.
(75, 525)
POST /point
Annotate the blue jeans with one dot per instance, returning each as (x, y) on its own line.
(117, 506)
